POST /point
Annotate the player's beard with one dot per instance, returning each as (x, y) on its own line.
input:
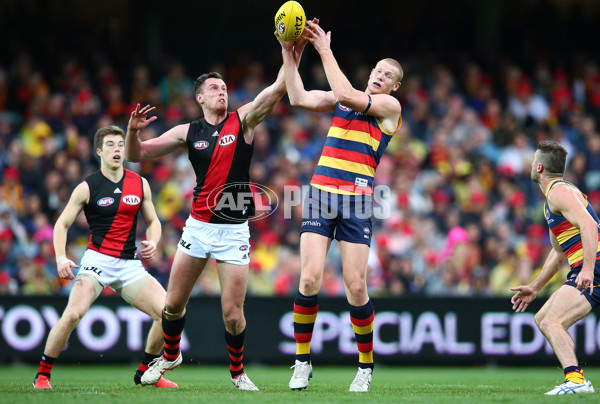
(535, 176)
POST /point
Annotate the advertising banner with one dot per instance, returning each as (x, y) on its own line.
(415, 331)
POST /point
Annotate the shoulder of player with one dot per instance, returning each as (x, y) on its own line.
(563, 196)
(145, 183)
(243, 111)
(389, 100)
(81, 193)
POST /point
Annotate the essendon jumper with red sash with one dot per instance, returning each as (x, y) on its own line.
(112, 214)
(221, 159)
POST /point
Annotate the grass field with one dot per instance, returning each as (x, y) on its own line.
(210, 384)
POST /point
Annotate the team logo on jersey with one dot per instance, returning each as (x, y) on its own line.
(366, 230)
(226, 140)
(131, 199)
(201, 145)
(343, 108)
(106, 201)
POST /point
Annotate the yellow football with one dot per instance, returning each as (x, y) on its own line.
(289, 21)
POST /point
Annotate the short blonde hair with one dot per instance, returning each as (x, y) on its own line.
(397, 65)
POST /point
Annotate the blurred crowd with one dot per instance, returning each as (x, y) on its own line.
(463, 217)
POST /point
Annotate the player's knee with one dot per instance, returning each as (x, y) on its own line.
(356, 286)
(72, 317)
(538, 319)
(174, 306)
(311, 281)
(233, 317)
(173, 312)
(547, 324)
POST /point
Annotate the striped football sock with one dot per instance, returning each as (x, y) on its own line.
(574, 374)
(145, 362)
(235, 345)
(305, 314)
(46, 365)
(362, 323)
(172, 330)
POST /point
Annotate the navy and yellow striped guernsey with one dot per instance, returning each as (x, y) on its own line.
(568, 236)
(352, 151)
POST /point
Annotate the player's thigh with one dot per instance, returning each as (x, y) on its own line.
(84, 292)
(184, 274)
(313, 251)
(566, 306)
(234, 281)
(151, 298)
(541, 313)
(355, 259)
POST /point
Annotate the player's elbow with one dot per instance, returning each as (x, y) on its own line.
(132, 157)
(294, 101)
(344, 97)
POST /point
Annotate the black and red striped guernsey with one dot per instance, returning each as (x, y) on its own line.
(112, 213)
(221, 159)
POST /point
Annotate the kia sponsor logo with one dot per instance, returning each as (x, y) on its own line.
(106, 201)
(201, 145)
(226, 140)
(131, 199)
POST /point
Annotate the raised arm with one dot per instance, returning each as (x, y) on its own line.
(381, 105)
(258, 110)
(136, 150)
(153, 226)
(79, 197)
(314, 100)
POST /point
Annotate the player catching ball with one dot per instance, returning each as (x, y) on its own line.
(363, 124)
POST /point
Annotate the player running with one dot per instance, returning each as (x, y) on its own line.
(111, 199)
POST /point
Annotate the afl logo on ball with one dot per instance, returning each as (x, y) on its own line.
(106, 201)
(281, 28)
(201, 145)
(131, 199)
(226, 140)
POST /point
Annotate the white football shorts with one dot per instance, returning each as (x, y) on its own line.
(229, 243)
(126, 277)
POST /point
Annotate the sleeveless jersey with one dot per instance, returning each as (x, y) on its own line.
(112, 214)
(354, 145)
(221, 160)
(568, 236)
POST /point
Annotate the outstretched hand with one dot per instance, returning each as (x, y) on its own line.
(297, 46)
(315, 35)
(301, 42)
(139, 117)
(525, 295)
(287, 45)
